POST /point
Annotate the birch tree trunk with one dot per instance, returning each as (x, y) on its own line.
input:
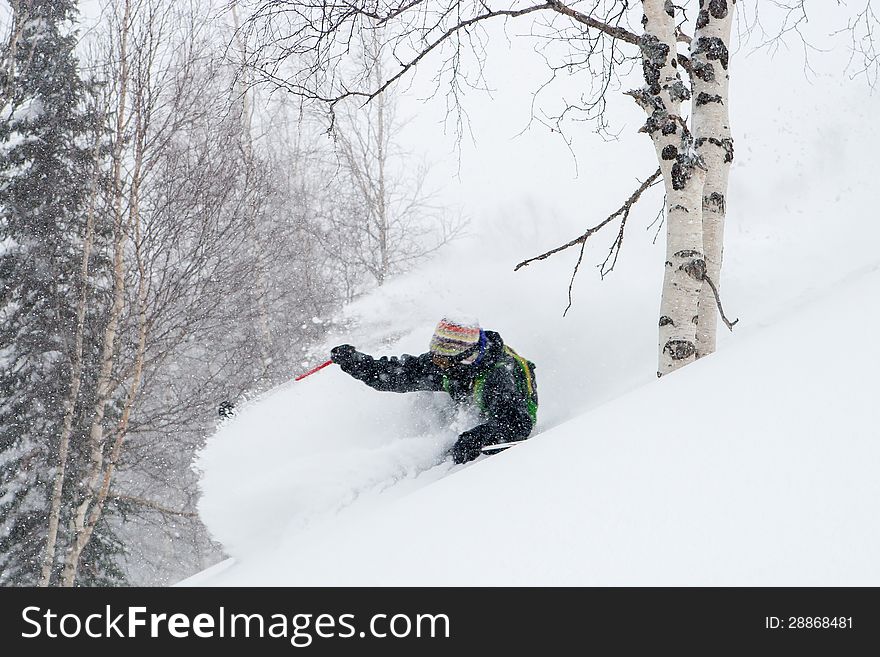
(108, 347)
(75, 380)
(155, 82)
(714, 144)
(99, 498)
(683, 177)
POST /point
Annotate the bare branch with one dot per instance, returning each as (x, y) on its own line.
(726, 321)
(624, 209)
(153, 506)
(659, 220)
(863, 30)
(405, 66)
(614, 31)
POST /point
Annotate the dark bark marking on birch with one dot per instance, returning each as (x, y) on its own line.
(669, 152)
(679, 91)
(714, 48)
(669, 128)
(669, 8)
(706, 72)
(695, 319)
(718, 8)
(687, 253)
(682, 170)
(666, 321)
(651, 126)
(679, 349)
(702, 18)
(696, 268)
(680, 176)
(704, 99)
(715, 202)
(726, 144)
(654, 54)
(680, 207)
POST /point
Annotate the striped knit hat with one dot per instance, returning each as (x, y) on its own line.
(452, 337)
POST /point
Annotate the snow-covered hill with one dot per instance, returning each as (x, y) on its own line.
(769, 478)
(755, 466)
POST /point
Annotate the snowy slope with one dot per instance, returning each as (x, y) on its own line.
(767, 477)
(771, 481)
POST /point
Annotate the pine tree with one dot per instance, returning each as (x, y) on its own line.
(45, 160)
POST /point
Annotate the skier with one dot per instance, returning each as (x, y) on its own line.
(470, 364)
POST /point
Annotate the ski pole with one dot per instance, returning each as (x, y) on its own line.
(313, 370)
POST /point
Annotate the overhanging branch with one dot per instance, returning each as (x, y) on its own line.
(625, 208)
(462, 25)
(614, 31)
(623, 212)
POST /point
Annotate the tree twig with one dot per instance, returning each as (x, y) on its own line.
(582, 240)
(726, 321)
(625, 208)
(154, 506)
(614, 31)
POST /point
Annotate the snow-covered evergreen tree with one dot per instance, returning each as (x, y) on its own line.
(45, 162)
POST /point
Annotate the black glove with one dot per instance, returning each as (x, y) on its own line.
(344, 355)
(467, 447)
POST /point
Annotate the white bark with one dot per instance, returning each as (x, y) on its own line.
(100, 496)
(75, 382)
(683, 176)
(108, 347)
(711, 125)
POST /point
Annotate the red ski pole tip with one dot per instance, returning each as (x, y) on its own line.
(313, 370)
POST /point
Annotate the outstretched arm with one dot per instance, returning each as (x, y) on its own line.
(404, 374)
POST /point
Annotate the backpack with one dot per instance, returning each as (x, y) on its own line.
(525, 381)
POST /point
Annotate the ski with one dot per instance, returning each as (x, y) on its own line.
(497, 447)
